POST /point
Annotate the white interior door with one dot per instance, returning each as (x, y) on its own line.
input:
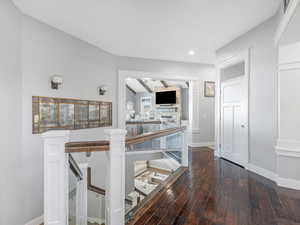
(234, 136)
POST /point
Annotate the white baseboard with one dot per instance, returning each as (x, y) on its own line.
(36, 221)
(288, 145)
(217, 153)
(39, 220)
(261, 171)
(280, 181)
(96, 220)
(201, 144)
(288, 183)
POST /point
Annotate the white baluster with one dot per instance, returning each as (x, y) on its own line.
(56, 169)
(82, 197)
(115, 178)
(185, 148)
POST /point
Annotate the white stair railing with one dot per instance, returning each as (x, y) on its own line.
(82, 197)
(115, 178)
(56, 168)
(56, 180)
(185, 148)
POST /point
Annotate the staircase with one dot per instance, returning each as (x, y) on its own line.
(174, 155)
(59, 165)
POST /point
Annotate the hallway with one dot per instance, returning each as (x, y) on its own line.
(216, 192)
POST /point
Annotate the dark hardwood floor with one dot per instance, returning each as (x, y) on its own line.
(216, 192)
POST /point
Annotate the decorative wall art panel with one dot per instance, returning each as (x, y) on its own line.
(69, 114)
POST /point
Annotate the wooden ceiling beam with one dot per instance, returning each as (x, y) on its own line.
(164, 83)
(130, 89)
(145, 85)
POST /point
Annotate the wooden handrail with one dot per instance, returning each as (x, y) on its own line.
(143, 122)
(97, 189)
(152, 135)
(92, 187)
(87, 146)
(98, 146)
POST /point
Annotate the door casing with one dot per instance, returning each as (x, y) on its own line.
(233, 106)
(243, 56)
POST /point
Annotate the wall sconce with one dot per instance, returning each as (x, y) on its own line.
(102, 90)
(56, 82)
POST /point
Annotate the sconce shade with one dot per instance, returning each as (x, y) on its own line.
(56, 81)
(102, 90)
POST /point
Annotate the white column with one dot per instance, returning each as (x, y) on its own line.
(82, 197)
(115, 178)
(163, 140)
(195, 93)
(185, 149)
(288, 142)
(55, 178)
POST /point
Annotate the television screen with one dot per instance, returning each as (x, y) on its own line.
(165, 97)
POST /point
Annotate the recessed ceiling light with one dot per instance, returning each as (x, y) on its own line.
(191, 52)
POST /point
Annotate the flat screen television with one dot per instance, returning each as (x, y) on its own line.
(165, 97)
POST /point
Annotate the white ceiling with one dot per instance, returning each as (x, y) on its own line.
(158, 29)
(135, 85)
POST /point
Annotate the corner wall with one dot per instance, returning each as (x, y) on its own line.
(11, 193)
(263, 90)
(288, 143)
(46, 52)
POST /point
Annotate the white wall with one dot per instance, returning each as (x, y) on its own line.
(161, 66)
(202, 112)
(11, 193)
(288, 143)
(132, 98)
(202, 108)
(185, 103)
(45, 52)
(232, 71)
(31, 52)
(263, 81)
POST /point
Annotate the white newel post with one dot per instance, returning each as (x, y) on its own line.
(82, 197)
(55, 178)
(185, 149)
(115, 178)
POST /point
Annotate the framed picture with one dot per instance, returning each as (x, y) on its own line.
(66, 117)
(105, 114)
(209, 89)
(81, 112)
(94, 115)
(69, 114)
